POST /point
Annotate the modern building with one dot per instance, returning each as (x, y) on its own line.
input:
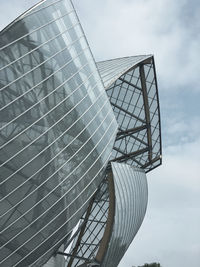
(77, 138)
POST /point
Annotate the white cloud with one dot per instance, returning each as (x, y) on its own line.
(145, 27)
(169, 234)
(171, 31)
(180, 129)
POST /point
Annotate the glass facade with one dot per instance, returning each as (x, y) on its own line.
(57, 132)
(131, 196)
(111, 70)
(76, 138)
(132, 89)
(115, 216)
(87, 242)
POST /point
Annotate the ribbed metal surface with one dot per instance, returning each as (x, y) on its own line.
(111, 70)
(133, 94)
(57, 131)
(114, 219)
(131, 196)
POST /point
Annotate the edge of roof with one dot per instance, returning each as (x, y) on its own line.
(125, 70)
(21, 16)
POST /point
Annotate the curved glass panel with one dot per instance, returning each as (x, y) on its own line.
(133, 94)
(57, 130)
(111, 70)
(131, 196)
(112, 220)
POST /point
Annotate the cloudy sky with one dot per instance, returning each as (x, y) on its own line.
(171, 31)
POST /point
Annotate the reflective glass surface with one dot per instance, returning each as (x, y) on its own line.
(57, 130)
(131, 195)
(113, 219)
(87, 242)
(111, 70)
(133, 95)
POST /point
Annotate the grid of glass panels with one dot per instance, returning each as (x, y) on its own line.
(134, 98)
(57, 130)
(87, 243)
(130, 194)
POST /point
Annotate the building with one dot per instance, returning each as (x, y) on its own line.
(76, 139)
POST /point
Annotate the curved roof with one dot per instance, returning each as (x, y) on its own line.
(23, 8)
(113, 219)
(57, 130)
(110, 70)
(131, 86)
(131, 195)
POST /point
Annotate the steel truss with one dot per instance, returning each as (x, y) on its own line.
(134, 98)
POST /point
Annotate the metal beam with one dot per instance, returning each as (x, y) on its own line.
(139, 140)
(146, 108)
(136, 161)
(89, 220)
(127, 112)
(72, 256)
(132, 130)
(113, 86)
(110, 220)
(131, 84)
(151, 162)
(129, 132)
(80, 234)
(118, 150)
(132, 154)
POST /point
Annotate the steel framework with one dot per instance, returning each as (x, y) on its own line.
(76, 139)
(131, 86)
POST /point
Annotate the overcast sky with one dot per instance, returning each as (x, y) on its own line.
(170, 30)
(170, 233)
